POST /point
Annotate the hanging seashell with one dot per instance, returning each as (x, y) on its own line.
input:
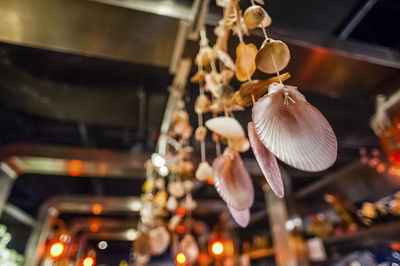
(189, 248)
(294, 130)
(213, 80)
(148, 186)
(232, 181)
(199, 77)
(160, 183)
(254, 16)
(272, 53)
(242, 218)
(180, 115)
(189, 204)
(186, 131)
(226, 60)
(176, 189)
(204, 171)
(266, 22)
(256, 89)
(239, 144)
(226, 76)
(205, 56)
(141, 246)
(173, 222)
(201, 104)
(267, 162)
(189, 185)
(200, 133)
(245, 61)
(172, 204)
(159, 240)
(225, 126)
(187, 169)
(160, 198)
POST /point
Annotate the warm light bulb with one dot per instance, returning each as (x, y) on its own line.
(180, 258)
(88, 261)
(56, 249)
(217, 248)
(97, 209)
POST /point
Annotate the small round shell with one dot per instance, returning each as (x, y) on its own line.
(201, 104)
(273, 56)
(204, 171)
(254, 16)
(200, 133)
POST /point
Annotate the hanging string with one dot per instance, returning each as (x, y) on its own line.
(276, 68)
(265, 32)
(252, 3)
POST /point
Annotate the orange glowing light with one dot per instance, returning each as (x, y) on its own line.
(88, 261)
(381, 168)
(217, 248)
(94, 227)
(97, 209)
(395, 170)
(180, 259)
(75, 168)
(210, 180)
(57, 250)
(180, 229)
(180, 211)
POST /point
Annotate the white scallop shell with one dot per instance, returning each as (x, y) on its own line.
(226, 126)
(172, 204)
(294, 130)
(189, 248)
(203, 171)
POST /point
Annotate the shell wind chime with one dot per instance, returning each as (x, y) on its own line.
(284, 125)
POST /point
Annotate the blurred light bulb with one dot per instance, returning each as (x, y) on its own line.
(102, 245)
(163, 170)
(131, 234)
(157, 160)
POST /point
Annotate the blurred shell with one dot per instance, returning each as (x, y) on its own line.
(160, 183)
(159, 240)
(226, 59)
(205, 56)
(160, 198)
(148, 186)
(253, 16)
(173, 222)
(239, 144)
(189, 204)
(219, 106)
(266, 21)
(267, 162)
(189, 248)
(203, 171)
(242, 218)
(296, 132)
(232, 181)
(227, 75)
(188, 184)
(199, 77)
(215, 137)
(272, 50)
(141, 244)
(225, 126)
(245, 61)
(176, 189)
(213, 80)
(256, 87)
(200, 133)
(201, 104)
(223, 3)
(180, 115)
(172, 204)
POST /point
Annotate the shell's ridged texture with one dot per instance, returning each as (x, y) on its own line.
(159, 240)
(296, 132)
(225, 126)
(242, 218)
(267, 161)
(232, 181)
(189, 248)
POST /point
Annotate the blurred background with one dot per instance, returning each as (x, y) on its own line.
(83, 90)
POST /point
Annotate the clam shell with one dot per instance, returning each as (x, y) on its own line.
(201, 104)
(200, 133)
(199, 77)
(225, 126)
(267, 162)
(242, 218)
(296, 132)
(245, 61)
(172, 204)
(213, 80)
(205, 56)
(203, 171)
(173, 222)
(189, 248)
(232, 181)
(254, 16)
(176, 189)
(275, 49)
(159, 240)
(266, 22)
(239, 144)
(160, 199)
(227, 75)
